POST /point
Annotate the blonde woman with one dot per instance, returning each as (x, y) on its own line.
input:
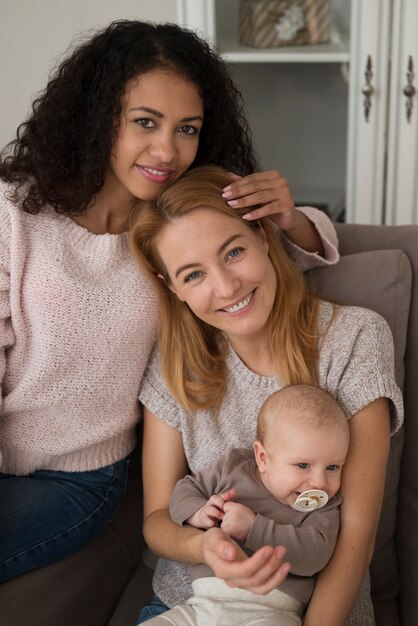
(237, 323)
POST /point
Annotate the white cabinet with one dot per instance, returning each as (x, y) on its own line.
(382, 169)
(306, 105)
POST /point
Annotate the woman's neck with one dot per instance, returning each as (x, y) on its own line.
(256, 354)
(100, 224)
(109, 211)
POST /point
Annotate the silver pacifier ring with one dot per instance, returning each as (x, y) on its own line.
(310, 500)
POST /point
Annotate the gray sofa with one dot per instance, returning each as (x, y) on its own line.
(106, 583)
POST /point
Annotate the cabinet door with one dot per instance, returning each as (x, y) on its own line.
(402, 171)
(198, 15)
(369, 67)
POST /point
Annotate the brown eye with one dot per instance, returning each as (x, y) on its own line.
(188, 130)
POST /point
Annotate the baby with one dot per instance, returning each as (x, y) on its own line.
(284, 492)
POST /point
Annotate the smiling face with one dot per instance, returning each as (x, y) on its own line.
(221, 269)
(295, 459)
(158, 135)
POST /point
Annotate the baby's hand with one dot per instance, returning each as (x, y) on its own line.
(237, 520)
(209, 515)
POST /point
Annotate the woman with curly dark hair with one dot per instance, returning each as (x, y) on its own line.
(123, 116)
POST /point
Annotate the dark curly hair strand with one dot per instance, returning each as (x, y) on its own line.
(62, 151)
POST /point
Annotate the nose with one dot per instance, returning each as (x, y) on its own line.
(163, 147)
(317, 480)
(225, 283)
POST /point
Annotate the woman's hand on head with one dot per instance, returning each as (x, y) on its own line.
(260, 573)
(268, 194)
(268, 191)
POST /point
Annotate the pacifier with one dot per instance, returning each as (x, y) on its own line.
(310, 500)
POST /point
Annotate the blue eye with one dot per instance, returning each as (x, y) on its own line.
(193, 276)
(234, 253)
(332, 468)
(303, 465)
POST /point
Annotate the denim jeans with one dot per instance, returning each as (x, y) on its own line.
(47, 515)
(154, 608)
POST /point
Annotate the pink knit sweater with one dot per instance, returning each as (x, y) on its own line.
(77, 324)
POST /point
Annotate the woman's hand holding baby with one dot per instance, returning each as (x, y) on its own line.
(260, 573)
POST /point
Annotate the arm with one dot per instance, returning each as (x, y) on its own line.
(309, 546)
(163, 449)
(6, 330)
(196, 501)
(271, 190)
(362, 490)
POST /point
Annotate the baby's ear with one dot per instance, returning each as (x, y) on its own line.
(260, 456)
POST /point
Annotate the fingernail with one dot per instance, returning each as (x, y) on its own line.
(247, 216)
(233, 202)
(228, 552)
(227, 188)
(280, 552)
(226, 194)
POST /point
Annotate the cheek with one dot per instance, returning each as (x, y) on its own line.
(196, 304)
(198, 301)
(188, 154)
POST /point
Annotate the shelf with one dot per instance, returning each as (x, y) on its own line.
(330, 200)
(337, 51)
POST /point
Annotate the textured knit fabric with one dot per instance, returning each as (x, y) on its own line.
(355, 366)
(77, 324)
(309, 538)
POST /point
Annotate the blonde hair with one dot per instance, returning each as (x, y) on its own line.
(192, 352)
(305, 405)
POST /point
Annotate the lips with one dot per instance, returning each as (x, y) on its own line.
(240, 304)
(155, 174)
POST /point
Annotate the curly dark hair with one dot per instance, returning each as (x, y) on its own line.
(63, 148)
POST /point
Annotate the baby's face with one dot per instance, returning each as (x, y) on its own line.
(297, 460)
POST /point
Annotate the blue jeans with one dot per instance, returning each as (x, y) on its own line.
(154, 608)
(47, 515)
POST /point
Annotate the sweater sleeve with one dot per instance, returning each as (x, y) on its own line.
(193, 492)
(357, 362)
(308, 260)
(155, 395)
(309, 546)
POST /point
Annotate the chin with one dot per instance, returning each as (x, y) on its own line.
(148, 195)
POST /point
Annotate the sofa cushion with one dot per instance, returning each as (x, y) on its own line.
(380, 280)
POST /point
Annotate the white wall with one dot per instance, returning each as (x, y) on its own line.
(34, 34)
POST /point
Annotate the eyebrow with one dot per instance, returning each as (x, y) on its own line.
(160, 115)
(218, 252)
(310, 461)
